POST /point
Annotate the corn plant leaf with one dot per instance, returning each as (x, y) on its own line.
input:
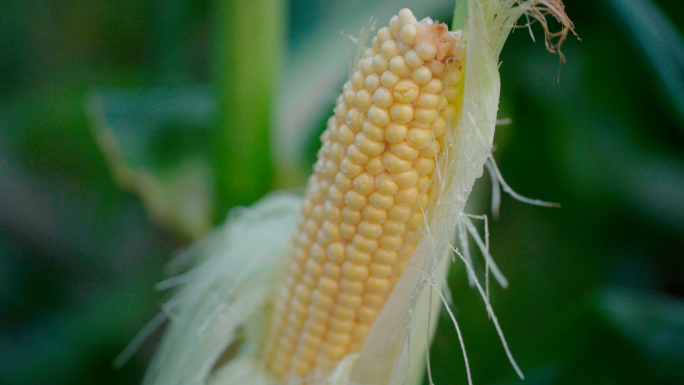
(661, 44)
(156, 143)
(247, 55)
(615, 335)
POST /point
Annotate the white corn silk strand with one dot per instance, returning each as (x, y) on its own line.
(228, 289)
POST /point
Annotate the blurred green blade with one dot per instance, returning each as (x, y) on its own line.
(460, 15)
(661, 43)
(156, 142)
(615, 336)
(249, 43)
(652, 322)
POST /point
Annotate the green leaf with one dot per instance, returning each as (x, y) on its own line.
(653, 323)
(615, 336)
(460, 15)
(249, 44)
(660, 43)
(157, 145)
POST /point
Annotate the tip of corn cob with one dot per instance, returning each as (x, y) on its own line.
(430, 40)
(438, 35)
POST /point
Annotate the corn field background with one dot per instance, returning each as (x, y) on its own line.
(129, 128)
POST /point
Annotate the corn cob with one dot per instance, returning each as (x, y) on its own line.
(381, 174)
(364, 206)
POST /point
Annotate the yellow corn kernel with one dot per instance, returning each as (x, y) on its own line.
(370, 230)
(381, 201)
(408, 196)
(356, 156)
(354, 272)
(363, 99)
(364, 244)
(412, 59)
(385, 256)
(375, 165)
(354, 200)
(373, 214)
(377, 285)
(364, 184)
(372, 82)
(407, 178)
(328, 286)
(419, 138)
(405, 150)
(395, 132)
(408, 35)
(383, 97)
(425, 166)
(380, 270)
(402, 113)
(384, 34)
(395, 164)
(372, 131)
(421, 75)
(347, 231)
(357, 256)
(389, 49)
(394, 228)
(399, 66)
(341, 326)
(389, 79)
(380, 64)
(400, 212)
(435, 86)
(406, 91)
(428, 100)
(362, 214)
(350, 216)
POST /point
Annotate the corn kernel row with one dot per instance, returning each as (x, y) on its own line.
(364, 204)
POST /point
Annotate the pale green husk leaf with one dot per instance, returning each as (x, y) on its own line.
(229, 287)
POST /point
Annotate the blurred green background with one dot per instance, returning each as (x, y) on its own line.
(194, 107)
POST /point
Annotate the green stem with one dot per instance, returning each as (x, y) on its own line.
(460, 15)
(248, 47)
